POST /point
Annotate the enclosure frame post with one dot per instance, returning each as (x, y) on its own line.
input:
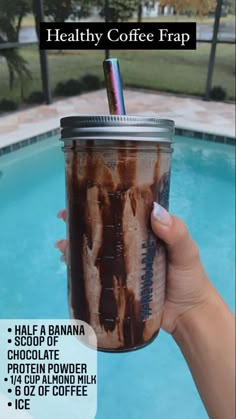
(211, 62)
(39, 15)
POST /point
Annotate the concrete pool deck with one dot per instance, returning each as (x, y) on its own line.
(188, 113)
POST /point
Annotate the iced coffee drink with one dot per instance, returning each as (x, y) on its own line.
(116, 167)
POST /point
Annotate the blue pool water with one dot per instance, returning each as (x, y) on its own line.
(153, 382)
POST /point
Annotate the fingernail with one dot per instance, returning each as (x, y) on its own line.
(161, 214)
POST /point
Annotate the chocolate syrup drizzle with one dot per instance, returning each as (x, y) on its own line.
(77, 229)
(110, 261)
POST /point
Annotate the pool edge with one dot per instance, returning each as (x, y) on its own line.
(198, 135)
(28, 141)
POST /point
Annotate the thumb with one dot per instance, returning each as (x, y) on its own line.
(182, 250)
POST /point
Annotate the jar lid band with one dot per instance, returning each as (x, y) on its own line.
(117, 127)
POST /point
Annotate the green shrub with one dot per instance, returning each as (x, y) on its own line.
(35, 97)
(90, 82)
(218, 93)
(68, 88)
(8, 105)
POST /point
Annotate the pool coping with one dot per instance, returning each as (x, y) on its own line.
(198, 135)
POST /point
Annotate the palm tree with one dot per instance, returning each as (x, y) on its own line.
(11, 15)
(16, 64)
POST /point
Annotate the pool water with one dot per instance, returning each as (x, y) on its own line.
(154, 382)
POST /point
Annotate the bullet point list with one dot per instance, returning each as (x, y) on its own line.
(25, 348)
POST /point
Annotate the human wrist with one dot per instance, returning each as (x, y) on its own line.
(206, 338)
(196, 314)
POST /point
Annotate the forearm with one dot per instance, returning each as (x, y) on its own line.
(206, 337)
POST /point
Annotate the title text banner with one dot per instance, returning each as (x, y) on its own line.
(118, 36)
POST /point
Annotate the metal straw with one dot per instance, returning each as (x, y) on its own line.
(114, 86)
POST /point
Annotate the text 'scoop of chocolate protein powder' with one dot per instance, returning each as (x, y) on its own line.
(116, 167)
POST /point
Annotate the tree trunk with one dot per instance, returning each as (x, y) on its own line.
(18, 26)
(11, 76)
(140, 11)
(37, 23)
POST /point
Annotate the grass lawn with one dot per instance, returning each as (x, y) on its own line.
(28, 21)
(172, 71)
(184, 18)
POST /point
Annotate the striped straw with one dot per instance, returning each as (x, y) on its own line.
(114, 86)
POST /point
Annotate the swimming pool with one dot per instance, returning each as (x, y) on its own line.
(153, 382)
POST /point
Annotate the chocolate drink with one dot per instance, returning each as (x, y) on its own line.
(116, 166)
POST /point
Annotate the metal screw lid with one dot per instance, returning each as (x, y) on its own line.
(117, 127)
